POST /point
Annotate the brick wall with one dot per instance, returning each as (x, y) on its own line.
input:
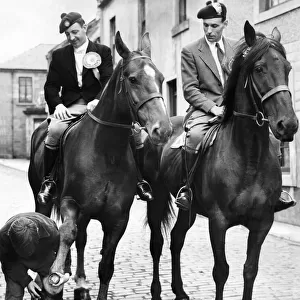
(6, 115)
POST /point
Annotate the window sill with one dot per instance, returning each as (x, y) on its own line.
(25, 104)
(275, 11)
(183, 26)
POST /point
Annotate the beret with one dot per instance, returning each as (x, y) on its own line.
(68, 20)
(212, 10)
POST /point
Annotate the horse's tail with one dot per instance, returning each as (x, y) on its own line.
(160, 211)
(55, 214)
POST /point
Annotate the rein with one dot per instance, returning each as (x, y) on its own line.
(134, 107)
(259, 117)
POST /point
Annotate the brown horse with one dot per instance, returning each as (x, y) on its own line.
(238, 178)
(98, 176)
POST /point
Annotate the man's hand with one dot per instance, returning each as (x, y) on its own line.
(34, 289)
(217, 110)
(61, 112)
(92, 104)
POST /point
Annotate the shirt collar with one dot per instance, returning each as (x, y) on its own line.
(82, 48)
(213, 45)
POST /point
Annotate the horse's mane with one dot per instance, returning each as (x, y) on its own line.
(242, 64)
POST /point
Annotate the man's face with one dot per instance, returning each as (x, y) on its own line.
(76, 35)
(213, 29)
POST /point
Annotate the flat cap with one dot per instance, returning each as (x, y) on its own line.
(67, 20)
(212, 10)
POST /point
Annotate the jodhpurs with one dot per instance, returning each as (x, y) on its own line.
(196, 126)
(57, 127)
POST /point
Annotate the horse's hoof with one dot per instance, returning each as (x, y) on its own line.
(82, 294)
(182, 298)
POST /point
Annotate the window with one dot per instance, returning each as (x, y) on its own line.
(181, 21)
(285, 157)
(267, 4)
(181, 11)
(142, 17)
(172, 95)
(267, 9)
(112, 38)
(25, 90)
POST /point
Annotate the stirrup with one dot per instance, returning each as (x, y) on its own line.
(287, 199)
(187, 190)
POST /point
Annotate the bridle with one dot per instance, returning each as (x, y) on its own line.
(259, 117)
(133, 106)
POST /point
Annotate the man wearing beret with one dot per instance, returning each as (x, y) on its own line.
(203, 76)
(77, 75)
(27, 241)
(204, 72)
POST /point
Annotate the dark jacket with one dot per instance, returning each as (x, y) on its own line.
(62, 77)
(15, 267)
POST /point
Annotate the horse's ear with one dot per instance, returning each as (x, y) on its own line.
(276, 35)
(146, 44)
(121, 47)
(249, 33)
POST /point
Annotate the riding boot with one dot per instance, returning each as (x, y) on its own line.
(48, 186)
(285, 201)
(184, 196)
(143, 190)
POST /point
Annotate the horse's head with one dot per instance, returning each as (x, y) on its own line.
(260, 64)
(141, 82)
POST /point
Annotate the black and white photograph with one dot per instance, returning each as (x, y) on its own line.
(150, 149)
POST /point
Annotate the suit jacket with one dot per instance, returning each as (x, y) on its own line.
(62, 85)
(16, 267)
(202, 86)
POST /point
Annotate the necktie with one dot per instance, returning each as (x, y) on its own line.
(220, 54)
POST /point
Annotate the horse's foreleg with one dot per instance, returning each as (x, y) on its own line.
(44, 209)
(155, 215)
(217, 231)
(185, 221)
(67, 231)
(81, 240)
(112, 235)
(256, 238)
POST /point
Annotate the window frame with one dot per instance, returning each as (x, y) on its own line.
(112, 34)
(25, 101)
(181, 21)
(274, 11)
(289, 177)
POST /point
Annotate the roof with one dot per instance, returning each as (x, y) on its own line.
(33, 59)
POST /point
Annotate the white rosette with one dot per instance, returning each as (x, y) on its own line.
(92, 60)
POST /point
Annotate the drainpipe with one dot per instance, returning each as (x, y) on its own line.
(12, 114)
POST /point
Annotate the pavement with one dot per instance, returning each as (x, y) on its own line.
(281, 230)
(279, 266)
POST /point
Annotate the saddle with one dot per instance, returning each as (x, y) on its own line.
(203, 144)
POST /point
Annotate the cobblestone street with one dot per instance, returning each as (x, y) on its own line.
(278, 276)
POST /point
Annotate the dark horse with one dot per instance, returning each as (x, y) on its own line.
(98, 176)
(238, 179)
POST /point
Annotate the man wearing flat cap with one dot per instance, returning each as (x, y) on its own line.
(203, 74)
(77, 75)
(28, 241)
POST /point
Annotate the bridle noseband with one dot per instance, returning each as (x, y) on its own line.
(134, 107)
(259, 117)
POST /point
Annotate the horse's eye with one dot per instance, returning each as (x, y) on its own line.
(258, 69)
(132, 79)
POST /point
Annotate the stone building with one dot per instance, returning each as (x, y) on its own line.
(22, 100)
(173, 23)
